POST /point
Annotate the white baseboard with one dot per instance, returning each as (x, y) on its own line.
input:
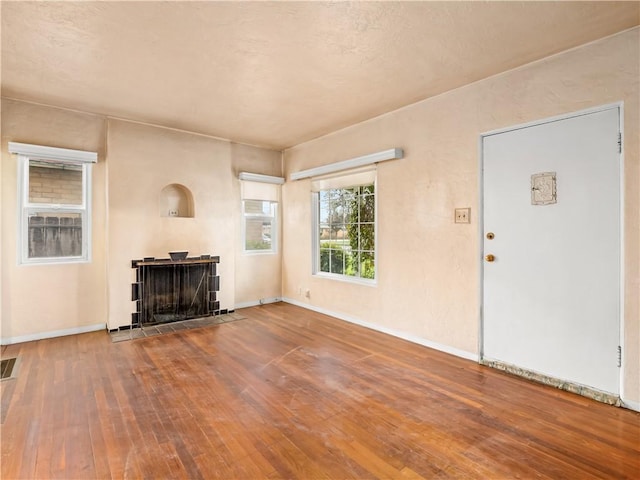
(630, 405)
(52, 334)
(255, 303)
(389, 331)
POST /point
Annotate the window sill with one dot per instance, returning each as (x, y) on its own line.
(54, 261)
(347, 279)
(252, 253)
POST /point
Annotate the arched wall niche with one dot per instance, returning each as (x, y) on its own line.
(176, 201)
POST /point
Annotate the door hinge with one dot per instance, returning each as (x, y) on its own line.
(619, 142)
(619, 356)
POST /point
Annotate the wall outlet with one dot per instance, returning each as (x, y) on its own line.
(462, 215)
(173, 213)
(307, 293)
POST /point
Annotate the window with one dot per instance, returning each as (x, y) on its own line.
(260, 195)
(345, 231)
(54, 198)
(260, 227)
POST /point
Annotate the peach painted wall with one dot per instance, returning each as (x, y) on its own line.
(134, 163)
(142, 160)
(428, 280)
(258, 277)
(37, 299)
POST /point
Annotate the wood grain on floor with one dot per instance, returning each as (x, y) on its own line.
(289, 393)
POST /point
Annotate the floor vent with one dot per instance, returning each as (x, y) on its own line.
(7, 367)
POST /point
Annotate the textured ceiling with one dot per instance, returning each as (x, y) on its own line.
(277, 74)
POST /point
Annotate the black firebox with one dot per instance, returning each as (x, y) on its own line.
(171, 290)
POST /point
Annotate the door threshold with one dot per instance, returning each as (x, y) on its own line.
(589, 392)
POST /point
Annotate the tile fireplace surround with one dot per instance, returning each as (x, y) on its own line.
(169, 290)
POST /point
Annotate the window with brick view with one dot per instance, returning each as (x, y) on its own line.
(55, 233)
(55, 203)
(55, 183)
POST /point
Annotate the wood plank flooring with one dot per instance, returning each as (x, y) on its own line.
(289, 393)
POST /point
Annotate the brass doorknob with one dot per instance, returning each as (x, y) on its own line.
(490, 258)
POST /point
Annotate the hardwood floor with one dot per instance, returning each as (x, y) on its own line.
(289, 393)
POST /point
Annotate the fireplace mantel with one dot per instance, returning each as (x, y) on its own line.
(168, 261)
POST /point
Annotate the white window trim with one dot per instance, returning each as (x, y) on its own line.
(315, 244)
(274, 229)
(27, 152)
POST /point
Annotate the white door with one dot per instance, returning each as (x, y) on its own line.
(551, 295)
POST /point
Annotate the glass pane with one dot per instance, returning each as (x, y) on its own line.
(257, 234)
(55, 183)
(325, 232)
(325, 254)
(324, 208)
(338, 233)
(343, 236)
(332, 204)
(367, 208)
(367, 189)
(350, 205)
(252, 206)
(338, 212)
(55, 235)
(367, 237)
(337, 261)
(257, 207)
(367, 265)
(342, 209)
(351, 263)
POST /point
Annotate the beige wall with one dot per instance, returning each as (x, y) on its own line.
(142, 161)
(48, 298)
(428, 280)
(127, 222)
(259, 276)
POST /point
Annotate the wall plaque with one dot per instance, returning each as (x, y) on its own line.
(543, 188)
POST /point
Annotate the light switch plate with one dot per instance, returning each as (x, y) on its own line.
(462, 215)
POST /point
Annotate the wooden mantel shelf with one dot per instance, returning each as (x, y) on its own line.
(167, 261)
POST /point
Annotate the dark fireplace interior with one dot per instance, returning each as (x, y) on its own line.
(172, 290)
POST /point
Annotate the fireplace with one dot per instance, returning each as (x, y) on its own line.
(169, 290)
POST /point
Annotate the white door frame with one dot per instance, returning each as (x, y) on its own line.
(480, 253)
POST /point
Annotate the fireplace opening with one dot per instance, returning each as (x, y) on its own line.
(172, 290)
